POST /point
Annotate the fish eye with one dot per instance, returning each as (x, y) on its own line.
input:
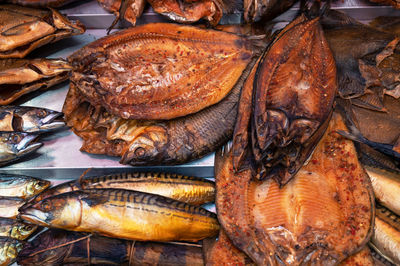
(15, 138)
(41, 113)
(140, 152)
(46, 205)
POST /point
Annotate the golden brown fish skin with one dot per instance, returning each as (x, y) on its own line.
(24, 29)
(9, 249)
(41, 3)
(329, 201)
(364, 258)
(192, 190)
(14, 229)
(21, 186)
(115, 212)
(386, 236)
(223, 252)
(9, 207)
(171, 70)
(255, 10)
(22, 76)
(105, 251)
(129, 10)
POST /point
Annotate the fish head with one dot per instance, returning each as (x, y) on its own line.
(21, 231)
(14, 145)
(36, 186)
(149, 147)
(9, 249)
(61, 211)
(38, 119)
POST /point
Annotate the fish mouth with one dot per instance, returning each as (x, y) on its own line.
(25, 146)
(53, 121)
(34, 216)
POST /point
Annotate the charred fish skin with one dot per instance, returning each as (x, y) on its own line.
(14, 229)
(22, 76)
(16, 145)
(192, 190)
(386, 236)
(9, 207)
(116, 212)
(9, 249)
(24, 29)
(21, 186)
(176, 70)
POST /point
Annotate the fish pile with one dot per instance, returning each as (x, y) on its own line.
(15, 191)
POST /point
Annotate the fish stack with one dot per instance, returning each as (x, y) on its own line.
(15, 190)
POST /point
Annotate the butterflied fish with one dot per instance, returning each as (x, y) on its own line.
(16, 145)
(21, 186)
(14, 229)
(322, 216)
(9, 249)
(55, 247)
(22, 76)
(123, 214)
(9, 207)
(24, 29)
(192, 190)
(364, 258)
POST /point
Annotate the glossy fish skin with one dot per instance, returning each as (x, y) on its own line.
(29, 119)
(159, 71)
(21, 186)
(105, 251)
(41, 3)
(192, 190)
(116, 212)
(9, 207)
(310, 220)
(22, 76)
(15, 145)
(255, 10)
(24, 29)
(386, 236)
(9, 249)
(14, 229)
(129, 10)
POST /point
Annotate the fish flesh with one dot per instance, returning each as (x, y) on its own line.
(16, 145)
(21, 186)
(223, 252)
(386, 238)
(154, 142)
(123, 214)
(41, 3)
(22, 76)
(386, 185)
(29, 119)
(24, 29)
(292, 98)
(129, 10)
(14, 229)
(104, 251)
(9, 207)
(323, 215)
(256, 10)
(364, 258)
(9, 249)
(192, 190)
(159, 70)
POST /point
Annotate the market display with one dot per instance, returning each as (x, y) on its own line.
(311, 176)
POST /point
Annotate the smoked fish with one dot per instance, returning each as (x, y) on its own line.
(129, 10)
(256, 10)
(14, 229)
(9, 207)
(41, 3)
(16, 145)
(324, 215)
(123, 214)
(9, 249)
(364, 258)
(192, 190)
(21, 186)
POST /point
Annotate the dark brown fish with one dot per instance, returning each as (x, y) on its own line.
(388, 24)
(394, 3)
(41, 3)
(322, 216)
(255, 10)
(48, 249)
(24, 29)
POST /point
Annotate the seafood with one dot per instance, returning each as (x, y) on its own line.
(364, 258)
(388, 24)
(123, 214)
(104, 251)
(363, 56)
(324, 215)
(129, 10)
(16, 145)
(14, 229)
(29, 119)
(9, 249)
(386, 185)
(192, 190)
(292, 102)
(21, 186)
(24, 29)
(159, 70)
(154, 142)
(379, 259)
(394, 3)
(9, 207)
(22, 76)
(41, 3)
(386, 238)
(255, 10)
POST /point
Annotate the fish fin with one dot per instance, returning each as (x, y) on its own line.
(80, 180)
